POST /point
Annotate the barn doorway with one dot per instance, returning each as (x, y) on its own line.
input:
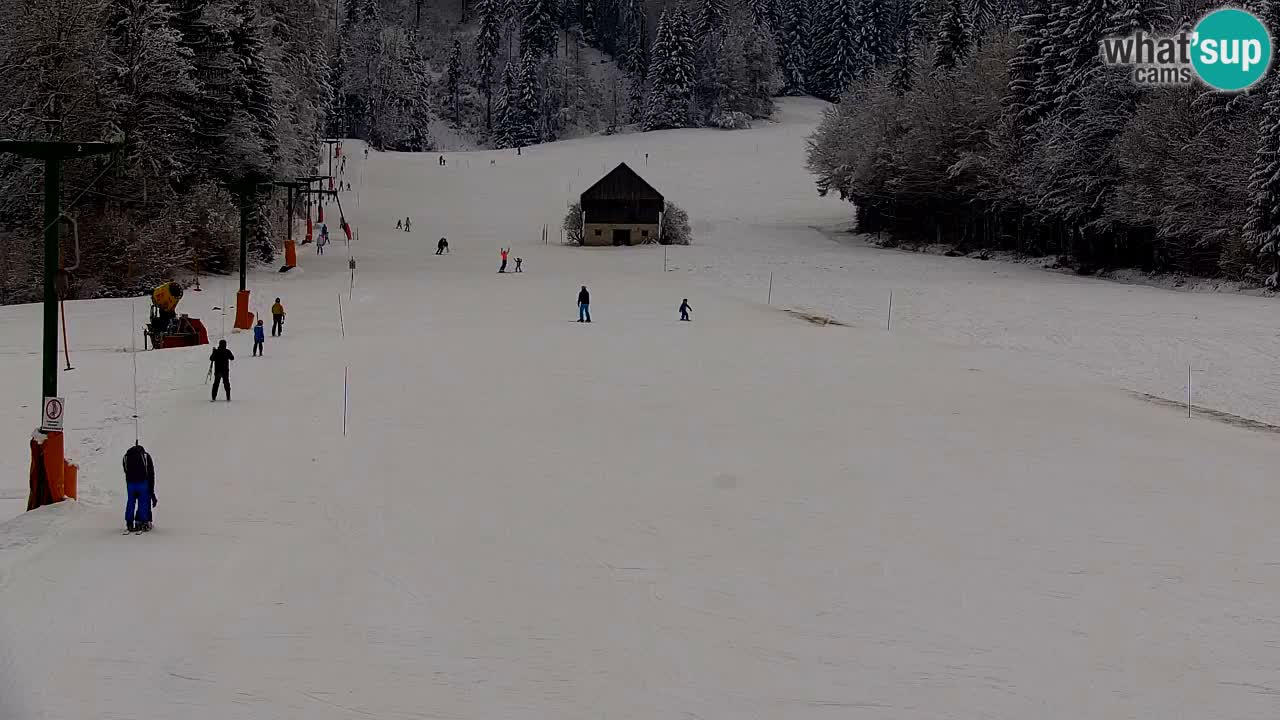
(621, 237)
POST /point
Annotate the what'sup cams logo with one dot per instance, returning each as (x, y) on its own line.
(1228, 50)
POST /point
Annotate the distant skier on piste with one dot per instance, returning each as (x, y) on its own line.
(259, 337)
(504, 252)
(220, 363)
(140, 480)
(684, 310)
(442, 247)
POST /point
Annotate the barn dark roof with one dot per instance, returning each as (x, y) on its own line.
(622, 183)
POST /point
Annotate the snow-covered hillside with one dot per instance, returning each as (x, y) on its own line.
(749, 515)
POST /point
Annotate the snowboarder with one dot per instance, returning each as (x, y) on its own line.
(277, 319)
(407, 222)
(503, 268)
(140, 479)
(442, 247)
(584, 305)
(399, 224)
(220, 362)
(519, 262)
(684, 310)
(259, 338)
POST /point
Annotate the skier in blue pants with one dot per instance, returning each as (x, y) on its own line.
(140, 479)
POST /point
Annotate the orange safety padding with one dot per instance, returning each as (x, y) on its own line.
(70, 480)
(244, 318)
(290, 253)
(320, 213)
(308, 229)
(54, 466)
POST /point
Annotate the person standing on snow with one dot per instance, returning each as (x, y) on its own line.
(407, 222)
(684, 310)
(140, 479)
(221, 359)
(259, 338)
(399, 224)
(277, 319)
(504, 251)
(584, 305)
(519, 263)
(442, 247)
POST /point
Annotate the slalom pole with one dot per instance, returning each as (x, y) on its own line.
(341, 325)
(346, 395)
(1188, 391)
(889, 319)
(770, 300)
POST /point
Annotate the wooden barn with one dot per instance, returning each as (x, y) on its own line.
(621, 209)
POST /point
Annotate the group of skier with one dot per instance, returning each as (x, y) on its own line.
(220, 359)
(503, 267)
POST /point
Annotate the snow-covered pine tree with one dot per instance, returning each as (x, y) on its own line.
(1263, 225)
(793, 60)
(835, 58)
(763, 14)
(506, 108)
(1131, 16)
(985, 15)
(370, 12)
(874, 38)
(709, 19)
(903, 75)
(671, 73)
(147, 73)
(538, 29)
(632, 46)
(1086, 26)
(524, 114)
(453, 81)
(1048, 95)
(955, 37)
(488, 40)
(1022, 102)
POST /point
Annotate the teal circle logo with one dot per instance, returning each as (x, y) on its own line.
(1231, 49)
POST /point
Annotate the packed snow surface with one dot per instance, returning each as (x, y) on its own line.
(759, 514)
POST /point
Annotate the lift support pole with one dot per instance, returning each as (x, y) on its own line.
(53, 153)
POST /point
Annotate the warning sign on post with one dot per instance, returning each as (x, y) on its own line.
(54, 408)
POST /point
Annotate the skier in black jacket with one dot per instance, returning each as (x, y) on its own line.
(220, 363)
(140, 479)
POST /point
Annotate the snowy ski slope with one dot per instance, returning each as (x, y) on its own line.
(747, 516)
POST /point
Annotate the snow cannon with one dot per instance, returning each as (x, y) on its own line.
(166, 329)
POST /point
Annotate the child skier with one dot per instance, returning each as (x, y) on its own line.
(519, 262)
(442, 247)
(259, 338)
(277, 319)
(399, 224)
(140, 479)
(684, 310)
(503, 252)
